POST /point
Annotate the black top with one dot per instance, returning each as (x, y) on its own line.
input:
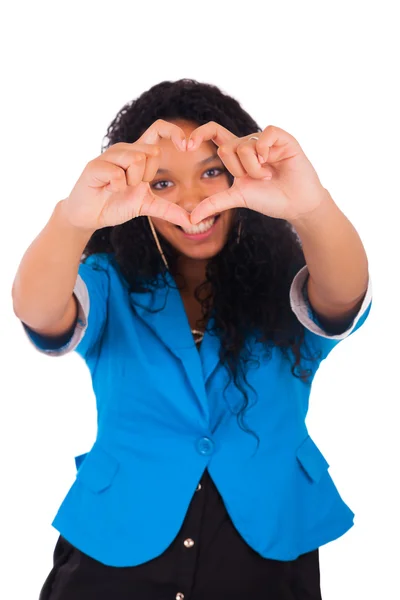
(208, 560)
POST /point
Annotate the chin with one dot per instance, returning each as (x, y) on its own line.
(201, 253)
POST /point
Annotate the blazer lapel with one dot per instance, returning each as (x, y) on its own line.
(163, 311)
(209, 352)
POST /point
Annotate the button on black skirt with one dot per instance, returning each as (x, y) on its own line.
(208, 560)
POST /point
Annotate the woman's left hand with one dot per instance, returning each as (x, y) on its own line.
(286, 186)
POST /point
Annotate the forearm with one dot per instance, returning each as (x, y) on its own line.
(47, 272)
(334, 253)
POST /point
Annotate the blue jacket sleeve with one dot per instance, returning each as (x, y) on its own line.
(91, 291)
(316, 337)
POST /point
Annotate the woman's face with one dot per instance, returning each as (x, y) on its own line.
(186, 179)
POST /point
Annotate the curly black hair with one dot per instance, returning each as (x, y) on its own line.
(247, 283)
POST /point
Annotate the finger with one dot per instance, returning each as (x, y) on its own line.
(135, 171)
(138, 160)
(276, 144)
(217, 203)
(211, 131)
(152, 164)
(152, 154)
(102, 174)
(164, 130)
(121, 153)
(248, 156)
(154, 206)
(230, 159)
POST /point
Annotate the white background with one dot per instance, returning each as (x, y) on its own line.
(326, 72)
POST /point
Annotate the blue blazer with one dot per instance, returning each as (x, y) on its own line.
(163, 419)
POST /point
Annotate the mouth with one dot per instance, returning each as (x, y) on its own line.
(202, 230)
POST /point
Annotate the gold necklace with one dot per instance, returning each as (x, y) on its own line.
(198, 335)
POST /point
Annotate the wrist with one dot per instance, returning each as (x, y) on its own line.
(323, 207)
(61, 215)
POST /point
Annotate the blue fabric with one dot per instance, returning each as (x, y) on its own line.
(162, 419)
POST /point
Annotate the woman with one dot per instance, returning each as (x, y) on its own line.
(216, 277)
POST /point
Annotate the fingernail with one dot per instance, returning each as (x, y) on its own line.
(261, 159)
(190, 144)
(183, 144)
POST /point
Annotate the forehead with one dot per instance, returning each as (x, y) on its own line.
(169, 149)
(185, 124)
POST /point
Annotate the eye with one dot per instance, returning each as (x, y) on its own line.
(158, 183)
(214, 169)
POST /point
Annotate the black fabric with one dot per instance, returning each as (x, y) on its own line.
(219, 566)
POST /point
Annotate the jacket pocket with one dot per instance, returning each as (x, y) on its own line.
(96, 469)
(312, 460)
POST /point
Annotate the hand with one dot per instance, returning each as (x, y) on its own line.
(114, 188)
(285, 186)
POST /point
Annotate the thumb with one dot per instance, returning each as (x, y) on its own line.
(216, 204)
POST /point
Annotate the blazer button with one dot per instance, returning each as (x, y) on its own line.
(179, 596)
(189, 543)
(205, 446)
(198, 487)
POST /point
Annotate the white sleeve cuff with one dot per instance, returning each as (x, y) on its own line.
(44, 345)
(303, 311)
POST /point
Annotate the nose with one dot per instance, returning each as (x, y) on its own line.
(191, 197)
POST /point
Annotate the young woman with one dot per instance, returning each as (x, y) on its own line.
(203, 272)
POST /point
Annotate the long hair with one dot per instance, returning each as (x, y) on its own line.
(247, 283)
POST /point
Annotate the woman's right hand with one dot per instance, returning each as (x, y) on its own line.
(114, 188)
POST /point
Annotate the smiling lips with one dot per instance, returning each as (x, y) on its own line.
(201, 228)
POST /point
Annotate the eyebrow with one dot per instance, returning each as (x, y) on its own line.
(202, 162)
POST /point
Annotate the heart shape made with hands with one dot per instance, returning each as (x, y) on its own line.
(272, 175)
(238, 155)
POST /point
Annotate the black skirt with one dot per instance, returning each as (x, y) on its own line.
(208, 560)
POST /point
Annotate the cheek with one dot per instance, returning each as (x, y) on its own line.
(228, 217)
(163, 227)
